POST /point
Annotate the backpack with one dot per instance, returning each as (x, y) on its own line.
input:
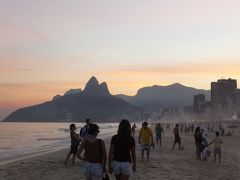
(83, 132)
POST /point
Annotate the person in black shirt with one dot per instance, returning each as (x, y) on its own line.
(177, 137)
(122, 155)
(75, 139)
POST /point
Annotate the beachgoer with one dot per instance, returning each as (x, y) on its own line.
(177, 137)
(217, 141)
(145, 139)
(203, 144)
(122, 156)
(95, 154)
(84, 131)
(158, 132)
(75, 139)
(198, 141)
(133, 129)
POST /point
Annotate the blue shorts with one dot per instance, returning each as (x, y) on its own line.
(93, 171)
(122, 168)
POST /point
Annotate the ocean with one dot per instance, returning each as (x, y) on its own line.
(22, 140)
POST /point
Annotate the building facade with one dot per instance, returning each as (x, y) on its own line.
(222, 93)
(199, 103)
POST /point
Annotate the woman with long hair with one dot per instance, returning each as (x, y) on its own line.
(95, 154)
(122, 155)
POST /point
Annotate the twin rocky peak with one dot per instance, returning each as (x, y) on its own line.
(92, 88)
(95, 89)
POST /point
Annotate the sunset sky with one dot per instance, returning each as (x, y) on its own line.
(50, 46)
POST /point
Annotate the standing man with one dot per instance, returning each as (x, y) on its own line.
(84, 130)
(177, 137)
(145, 139)
(158, 132)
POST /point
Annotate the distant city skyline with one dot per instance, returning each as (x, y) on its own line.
(49, 47)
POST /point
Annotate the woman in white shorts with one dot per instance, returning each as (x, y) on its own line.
(95, 155)
(122, 156)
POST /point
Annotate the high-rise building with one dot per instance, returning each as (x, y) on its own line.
(220, 93)
(234, 99)
(199, 103)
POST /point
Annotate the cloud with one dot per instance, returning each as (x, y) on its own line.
(178, 68)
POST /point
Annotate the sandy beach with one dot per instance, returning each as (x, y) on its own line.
(164, 163)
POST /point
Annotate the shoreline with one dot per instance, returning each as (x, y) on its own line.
(27, 141)
(164, 163)
(46, 153)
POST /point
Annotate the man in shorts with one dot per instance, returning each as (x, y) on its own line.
(145, 139)
(217, 141)
(158, 132)
(177, 137)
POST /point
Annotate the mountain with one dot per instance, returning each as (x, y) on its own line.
(156, 97)
(72, 91)
(94, 102)
(93, 88)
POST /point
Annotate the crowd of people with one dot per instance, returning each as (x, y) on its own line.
(122, 156)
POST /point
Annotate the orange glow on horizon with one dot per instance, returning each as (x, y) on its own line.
(120, 81)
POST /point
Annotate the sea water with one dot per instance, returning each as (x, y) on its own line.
(21, 140)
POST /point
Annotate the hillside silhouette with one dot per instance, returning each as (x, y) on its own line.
(155, 97)
(95, 102)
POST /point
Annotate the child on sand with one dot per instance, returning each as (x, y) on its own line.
(217, 146)
(75, 139)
